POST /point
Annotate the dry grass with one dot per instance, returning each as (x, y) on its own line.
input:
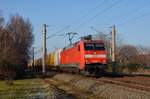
(24, 89)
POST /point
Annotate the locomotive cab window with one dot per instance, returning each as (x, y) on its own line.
(94, 46)
(99, 46)
(89, 46)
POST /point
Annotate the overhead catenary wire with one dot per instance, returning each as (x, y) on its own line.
(58, 32)
(89, 12)
(97, 31)
(135, 10)
(79, 19)
(131, 12)
(134, 19)
(99, 13)
(56, 35)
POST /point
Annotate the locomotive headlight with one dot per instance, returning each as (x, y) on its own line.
(87, 61)
(104, 61)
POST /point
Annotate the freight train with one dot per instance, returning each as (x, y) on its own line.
(86, 56)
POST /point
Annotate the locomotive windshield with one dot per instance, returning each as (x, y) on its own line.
(94, 46)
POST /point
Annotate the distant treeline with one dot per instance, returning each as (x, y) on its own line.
(128, 57)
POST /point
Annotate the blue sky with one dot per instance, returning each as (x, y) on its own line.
(131, 17)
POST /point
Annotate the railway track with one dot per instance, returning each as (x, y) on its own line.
(110, 78)
(121, 82)
(125, 84)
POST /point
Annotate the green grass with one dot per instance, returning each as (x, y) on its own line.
(19, 84)
(23, 89)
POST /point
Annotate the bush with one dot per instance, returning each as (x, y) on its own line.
(120, 68)
(16, 39)
(134, 67)
(114, 67)
(10, 71)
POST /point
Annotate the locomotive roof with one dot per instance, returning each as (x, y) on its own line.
(71, 45)
(87, 41)
(93, 41)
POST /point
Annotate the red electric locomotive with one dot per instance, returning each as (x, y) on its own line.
(86, 55)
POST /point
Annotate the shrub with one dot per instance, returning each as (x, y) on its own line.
(10, 71)
(134, 67)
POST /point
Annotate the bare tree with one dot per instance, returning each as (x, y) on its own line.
(144, 55)
(107, 41)
(8, 56)
(1, 20)
(127, 54)
(128, 59)
(1, 23)
(16, 39)
(21, 32)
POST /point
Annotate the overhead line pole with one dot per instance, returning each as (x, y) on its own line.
(113, 42)
(44, 48)
(33, 59)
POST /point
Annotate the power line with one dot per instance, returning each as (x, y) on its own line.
(105, 35)
(132, 12)
(85, 15)
(55, 35)
(134, 19)
(79, 19)
(88, 12)
(101, 12)
(59, 32)
(135, 10)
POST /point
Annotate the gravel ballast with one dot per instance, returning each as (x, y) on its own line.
(89, 88)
